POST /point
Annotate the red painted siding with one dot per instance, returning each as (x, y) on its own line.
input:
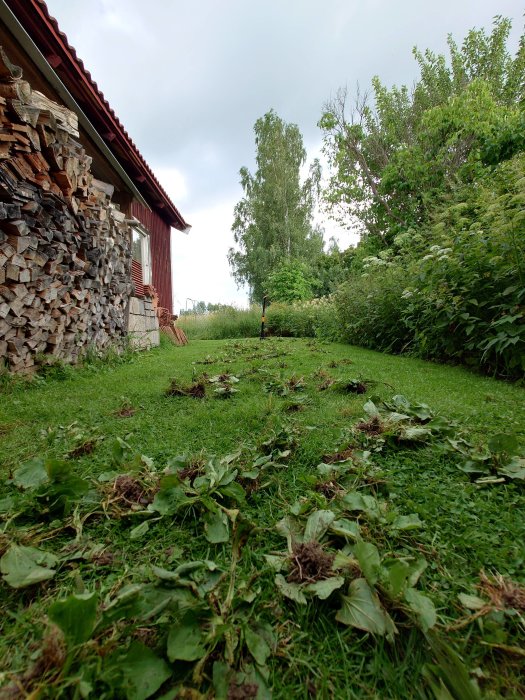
(160, 240)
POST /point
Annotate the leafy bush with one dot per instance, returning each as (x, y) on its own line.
(466, 295)
(316, 318)
(370, 308)
(290, 281)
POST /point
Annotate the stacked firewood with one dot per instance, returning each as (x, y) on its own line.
(64, 246)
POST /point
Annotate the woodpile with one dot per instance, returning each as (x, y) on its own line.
(65, 252)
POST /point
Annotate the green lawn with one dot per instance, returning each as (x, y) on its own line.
(231, 611)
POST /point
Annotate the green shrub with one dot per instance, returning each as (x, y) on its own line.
(370, 308)
(316, 318)
(290, 281)
(466, 295)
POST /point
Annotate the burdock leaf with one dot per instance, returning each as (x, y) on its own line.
(139, 531)
(394, 576)
(186, 640)
(31, 475)
(75, 616)
(423, 607)
(143, 672)
(371, 409)
(515, 469)
(317, 525)
(324, 589)
(170, 497)
(25, 566)
(407, 522)
(355, 501)
(290, 590)
(369, 560)
(345, 528)
(257, 646)
(472, 602)
(216, 527)
(234, 490)
(415, 432)
(362, 609)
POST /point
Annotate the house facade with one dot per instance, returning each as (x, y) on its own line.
(85, 227)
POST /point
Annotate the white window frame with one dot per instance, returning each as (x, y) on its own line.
(145, 250)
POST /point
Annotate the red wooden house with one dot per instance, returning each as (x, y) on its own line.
(32, 40)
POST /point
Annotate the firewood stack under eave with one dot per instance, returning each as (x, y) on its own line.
(65, 251)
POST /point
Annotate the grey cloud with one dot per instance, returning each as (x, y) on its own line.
(189, 79)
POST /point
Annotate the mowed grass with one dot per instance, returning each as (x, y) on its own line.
(466, 528)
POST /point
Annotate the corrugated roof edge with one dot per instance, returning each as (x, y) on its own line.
(32, 24)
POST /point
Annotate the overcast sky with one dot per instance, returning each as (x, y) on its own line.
(189, 78)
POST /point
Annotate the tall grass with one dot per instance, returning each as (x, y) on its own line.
(316, 318)
(219, 325)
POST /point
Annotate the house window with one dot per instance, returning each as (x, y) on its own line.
(140, 250)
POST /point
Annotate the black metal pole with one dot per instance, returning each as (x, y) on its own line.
(263, 319)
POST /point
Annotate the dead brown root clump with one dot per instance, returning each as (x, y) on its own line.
(502, 593)
(51, 659)
(250, 485)
(130, 490)
(197, 390)
(338, 363)
(105, 558)
(126, 412)
(356, 388)
(86, 448)
(326, 384)
(246, 691)
(329, 489)
(371, 427)
(342, 456)
(310, 563)
(193, 470)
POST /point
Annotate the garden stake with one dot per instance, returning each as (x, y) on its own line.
(263, 319)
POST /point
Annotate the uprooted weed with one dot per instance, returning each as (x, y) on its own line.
(195, 390)
(130, 490)
(502, 593)
(310, 563)
(182, 574)
(373, 426)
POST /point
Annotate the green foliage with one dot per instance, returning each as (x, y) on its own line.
(290, 281)
(370, 308)
(273, 222)
(434, 177)
(25, 566)
(464, 297)
(394, 161)
(315, 318)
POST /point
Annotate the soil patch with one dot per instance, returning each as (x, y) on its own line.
(246, 691)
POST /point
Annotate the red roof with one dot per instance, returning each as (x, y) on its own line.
(44, 31)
